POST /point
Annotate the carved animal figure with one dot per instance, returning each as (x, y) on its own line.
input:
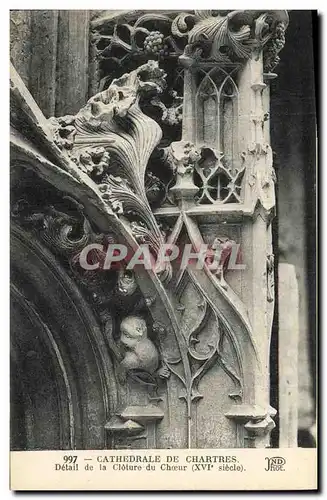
(141, 353)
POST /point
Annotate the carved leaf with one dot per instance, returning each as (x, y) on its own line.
(112, 133)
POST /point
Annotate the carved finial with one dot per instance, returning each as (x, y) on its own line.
(184, 156)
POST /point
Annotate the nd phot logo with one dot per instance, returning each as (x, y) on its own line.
(275, 463)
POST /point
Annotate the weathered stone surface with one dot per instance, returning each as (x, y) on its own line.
(43, 59)
(192, 367)
(288, 315)
(72, 61)
(103, 153)
(20, 42)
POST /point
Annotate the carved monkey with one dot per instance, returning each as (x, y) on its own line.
(140, 352)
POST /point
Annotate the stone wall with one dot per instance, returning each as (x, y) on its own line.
(50, 51)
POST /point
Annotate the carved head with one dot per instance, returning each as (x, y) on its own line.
(133, 329)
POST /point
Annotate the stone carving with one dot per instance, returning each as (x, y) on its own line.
(63, 131)
(155, 188)
(274, 46)
(94, 161)
(113, 144)
(222, 247)
(141, 353)
(212, 35)
(124, 432)
(66, 236)
(171, 115)
(270, 278)
(126, 282)
(275, 41)
(202, 350)
(230, 34)
(163, 372)
(135, 422)
(261, 173)
(205, 353)
(62, 233)
(218, 183)
(125, 139)
(184, 156)
(134, 352)
(218, 35)
(134, 37)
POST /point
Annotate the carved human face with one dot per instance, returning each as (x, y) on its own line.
(133, 330)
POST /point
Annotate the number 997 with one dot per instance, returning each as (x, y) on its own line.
(70, 459)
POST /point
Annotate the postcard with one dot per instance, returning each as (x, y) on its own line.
(163, 250)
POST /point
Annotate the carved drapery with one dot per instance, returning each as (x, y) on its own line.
(162, 155)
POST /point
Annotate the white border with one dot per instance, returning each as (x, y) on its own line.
(4, 180)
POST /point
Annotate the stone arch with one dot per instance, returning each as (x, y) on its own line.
(61, 364)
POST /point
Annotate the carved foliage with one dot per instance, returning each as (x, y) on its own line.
(274, 40)
(221, 36)
(120, 41)
(225, 36)
(66, 233)
(172, 115)
(62, 233)
(213, 37)
(113, 141)
(185, 156)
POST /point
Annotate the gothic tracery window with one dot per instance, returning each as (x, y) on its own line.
(217, 174)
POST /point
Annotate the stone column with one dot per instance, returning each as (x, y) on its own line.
(226, 115)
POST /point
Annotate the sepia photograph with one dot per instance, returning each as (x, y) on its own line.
(163, 170)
